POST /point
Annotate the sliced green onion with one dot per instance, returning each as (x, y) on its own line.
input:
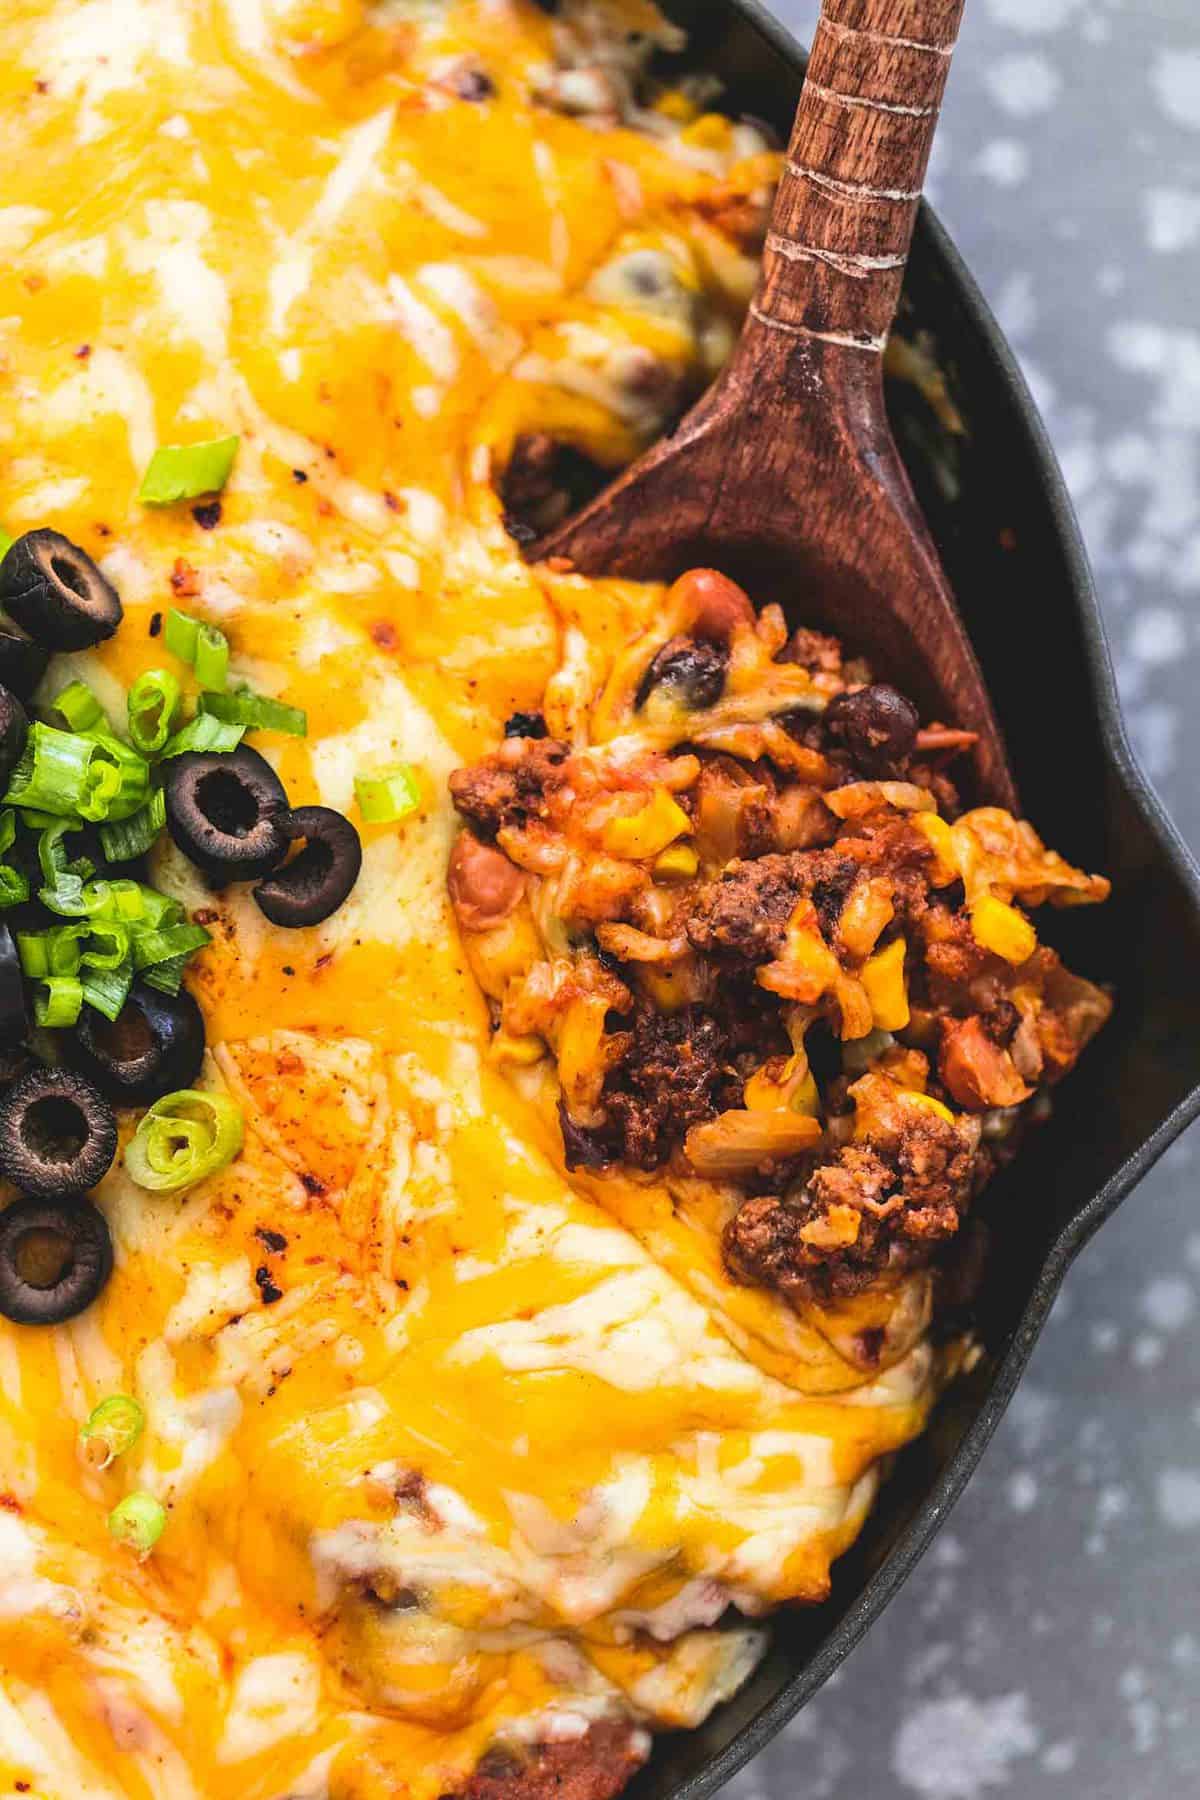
(107, 990)
(79, 708)
(61, 1004)
(66, 775)
(212, 658)
(153, 704)
(64, 879)
(200, 644)
(181, 635)
(185, 471)
(129, 838)
(14, 886)
(52, 852)
(109, 945)
(119, 782)
(206, 734)
(111, 1429)
(257, 712)
(33, 948)
(150, 947)
(182, 1139)
(138, 1521)
(131, 903)
(52, 775)
(44, 954)
(388, 794)
(167, 976)
(14, 883)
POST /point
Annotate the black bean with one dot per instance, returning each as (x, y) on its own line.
(691, 668)
(876, 726)
(525, 725)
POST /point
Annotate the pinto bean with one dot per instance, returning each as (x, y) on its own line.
(484, 886)
(717, 605)
(977, 1072)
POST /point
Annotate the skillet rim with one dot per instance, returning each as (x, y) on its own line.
(1080, 596)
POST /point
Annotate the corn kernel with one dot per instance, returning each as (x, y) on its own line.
(579, 1044)
(941, 840)
(931, 1105)
(709, 132)
(792, 1088)
(1001, 929)
(883, 977)
(675, 105)
(806, 1098)
(670, 989)
(518, 1052)
(648, 831)
(679, 862)
(836, 1229)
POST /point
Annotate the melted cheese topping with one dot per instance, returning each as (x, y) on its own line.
(502, 1453)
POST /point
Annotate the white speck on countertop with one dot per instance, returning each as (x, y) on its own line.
(1172, 219)
(1005, 161)
(1179, 1498)
(1168, 1302)
(1060, 1759)
(1036, 16)
(1022, 1491)
(1023, 84)
(959, 1748)
(1175, 78)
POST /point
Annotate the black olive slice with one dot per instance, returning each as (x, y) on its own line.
(14, 1020)
(22, 663)
(56, 593)
(876, 725)
(57, 1134)
(153, 1047)
(14, 729)
(314, 884)
(55, 1257)
(228, 814)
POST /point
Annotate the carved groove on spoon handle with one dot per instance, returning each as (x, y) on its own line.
(856, 165)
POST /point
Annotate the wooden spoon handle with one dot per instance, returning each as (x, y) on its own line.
(848, 200)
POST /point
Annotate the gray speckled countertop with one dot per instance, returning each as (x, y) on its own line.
(1049, 1647)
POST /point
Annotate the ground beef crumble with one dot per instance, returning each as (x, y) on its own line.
(675, 1073)
(743, 916)
(511, 787)
(904, 1194)
(593, 1767)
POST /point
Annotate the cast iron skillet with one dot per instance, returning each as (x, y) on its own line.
(1003, 522)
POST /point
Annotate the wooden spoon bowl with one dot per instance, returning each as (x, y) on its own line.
(785, 475)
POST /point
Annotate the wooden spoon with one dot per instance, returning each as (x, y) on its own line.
(785, 475)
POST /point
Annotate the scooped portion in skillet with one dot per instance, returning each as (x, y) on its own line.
(725, 900)
(473, 1204)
